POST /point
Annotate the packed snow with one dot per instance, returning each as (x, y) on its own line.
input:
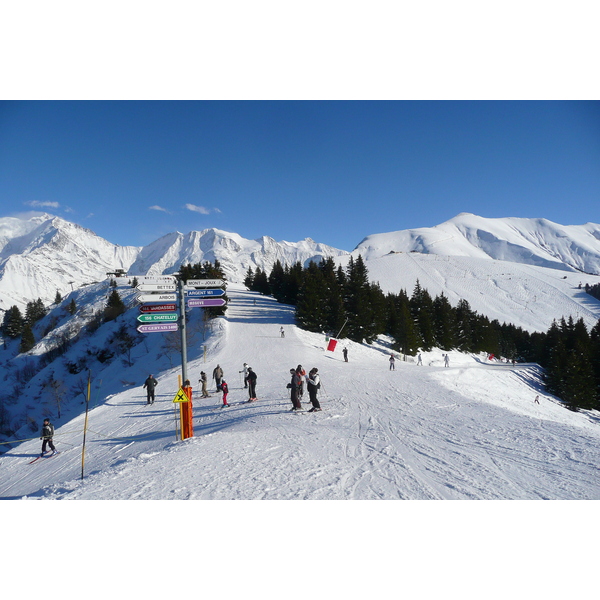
(471, 430)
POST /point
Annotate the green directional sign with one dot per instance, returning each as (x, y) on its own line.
(164, 318)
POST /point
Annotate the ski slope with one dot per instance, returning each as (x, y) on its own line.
(527, 296)
(469, 431)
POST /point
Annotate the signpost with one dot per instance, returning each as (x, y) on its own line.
(162, 307)
(196, 302)
(204, 293)
(156, 298)
(156, 318)
(158, 327)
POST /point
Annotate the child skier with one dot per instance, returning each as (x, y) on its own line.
(47, 435)
(225, 390)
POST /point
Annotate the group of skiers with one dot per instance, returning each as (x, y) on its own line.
(296, 385)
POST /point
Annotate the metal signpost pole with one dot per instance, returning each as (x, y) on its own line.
(183, 332)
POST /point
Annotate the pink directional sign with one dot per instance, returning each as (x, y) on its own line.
(195, 302)
(157, 327)
(150, 308)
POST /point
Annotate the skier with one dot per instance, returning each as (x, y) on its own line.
(446, 360)
(302, 376)
(225, 390)
(392, 362)
(47, 435)
(217, 376)
(281, 332)
(203, 382)
(294, 387)
(150, 384)
(537, 400)
(345, 353)
(313, 383)
(245, 372)
(419, 360)
(251, 385)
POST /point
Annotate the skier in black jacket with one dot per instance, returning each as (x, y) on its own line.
(251, 385)
(150, 384)
(47, 435)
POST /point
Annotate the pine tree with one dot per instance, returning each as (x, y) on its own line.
(464, 327)
(421, 305)
(35, 311)
(27, 339)
(335, 314)
(261, 282)
(249, 279)
(277, 281)
(443, 319)
(358, 302)
(13, 323)
(72, 308)
(402, 324)
(114, 306)
(310, 307)
(58, 298)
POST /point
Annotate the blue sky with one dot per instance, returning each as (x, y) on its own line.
(335, 171)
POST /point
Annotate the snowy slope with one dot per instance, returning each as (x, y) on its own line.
(470, 431)
(524, 295)
(536, 242)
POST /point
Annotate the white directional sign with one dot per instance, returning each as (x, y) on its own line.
(156, 287)
(204, 283)
(154, 278)
(156, 297)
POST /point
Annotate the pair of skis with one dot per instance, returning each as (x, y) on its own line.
(44, 456)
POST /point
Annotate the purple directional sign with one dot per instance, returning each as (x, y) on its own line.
(158, 327)
(196, 302)
(204, 293)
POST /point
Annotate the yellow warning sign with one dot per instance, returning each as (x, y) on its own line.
(181, 396)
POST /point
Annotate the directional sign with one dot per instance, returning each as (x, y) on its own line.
(156, 287)
(152, 308)
(181, 396)
(195, 302)
(156, 297)
(204, 293)
(164, 318)
(205, 283)
(157, 327)
(154, 278)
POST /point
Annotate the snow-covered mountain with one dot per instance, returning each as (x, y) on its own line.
(42, 254)
(537, 242)
(506, 268)
(235, 253)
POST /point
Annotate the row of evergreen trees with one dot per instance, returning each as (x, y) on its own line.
(330, 299)
(593, 290)
(15, 324)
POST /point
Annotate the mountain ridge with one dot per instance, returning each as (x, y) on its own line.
(43, 254)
